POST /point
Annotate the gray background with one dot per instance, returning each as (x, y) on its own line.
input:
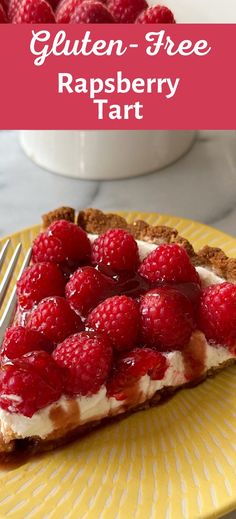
(201, 186)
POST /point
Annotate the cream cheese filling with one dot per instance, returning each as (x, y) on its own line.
(99, 405)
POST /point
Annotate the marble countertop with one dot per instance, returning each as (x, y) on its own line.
(201, 186)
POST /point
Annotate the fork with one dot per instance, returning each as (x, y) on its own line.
(8, 313)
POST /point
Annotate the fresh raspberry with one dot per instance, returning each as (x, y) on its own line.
(192, 291)
(88, 357)
(3, 16)
(53, 4)
(91, 12)
(5, 5)
(19, 340)
(62, 242)
(133, 365)
(65, 9)
(13, 8)
(118, 318)
(34, 11)
(85, 289)
(39, 281)
(126, 11)
(30, 383)
(217, 314)
(116, 249)
(169, 263)
(166, 319)
(47, 248)
(156, 14)
(55, 319)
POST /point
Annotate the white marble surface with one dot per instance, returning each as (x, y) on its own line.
(201, 185)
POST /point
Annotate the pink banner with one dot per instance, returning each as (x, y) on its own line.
(118, 77)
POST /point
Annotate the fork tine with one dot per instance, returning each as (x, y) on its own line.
(4, 252)
(9, 272)
(11, 304)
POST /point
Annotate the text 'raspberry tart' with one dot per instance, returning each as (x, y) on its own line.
(111, 318)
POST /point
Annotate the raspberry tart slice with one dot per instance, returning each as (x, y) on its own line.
(111, 318)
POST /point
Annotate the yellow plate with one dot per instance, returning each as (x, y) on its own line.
(176, 461)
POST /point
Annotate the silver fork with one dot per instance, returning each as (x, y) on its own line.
(11, 302)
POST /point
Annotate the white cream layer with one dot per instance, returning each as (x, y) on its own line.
(99, 405)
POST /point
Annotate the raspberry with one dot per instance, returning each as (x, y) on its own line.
(34, 11)
(13, 8)
(126, 11)
(169, 263)
(190, 290)
(156, 14)
(62, 242)
(19, 340)
(55, 319)
(166, 319)
(118, 318)
(85, 289)
(91, 12)
(39, 281)
(133, 365)
(5, 4)
(217, 314)
(88, 357)
(3, 16)
(116, 249)
(47, 248)
(65, 9)
(53, 4)
(30, 383)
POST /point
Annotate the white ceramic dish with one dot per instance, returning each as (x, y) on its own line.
(104, 154)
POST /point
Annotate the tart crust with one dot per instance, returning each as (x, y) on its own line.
(94, 221)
